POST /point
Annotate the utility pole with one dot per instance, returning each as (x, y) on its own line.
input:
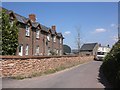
(78, 39)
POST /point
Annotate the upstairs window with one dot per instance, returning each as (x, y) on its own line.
(60, 40)
(54, 39)
(37, 33)
(27, 31)
(48, 37)
(26, 50)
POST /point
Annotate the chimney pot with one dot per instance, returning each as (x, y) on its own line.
(54, 27)
(32, 17)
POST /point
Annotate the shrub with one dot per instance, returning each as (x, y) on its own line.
(111, 65)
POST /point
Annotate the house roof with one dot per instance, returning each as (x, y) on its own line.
(88, 46)
(60, 35)
(35, 24)
(24, 20)
(44, 28)
(20, 18)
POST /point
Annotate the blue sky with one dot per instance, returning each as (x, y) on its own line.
(97, 21)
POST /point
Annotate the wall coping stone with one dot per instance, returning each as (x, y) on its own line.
(34, 57)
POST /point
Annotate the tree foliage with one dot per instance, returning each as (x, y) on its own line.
(66, 49)
(9, 35)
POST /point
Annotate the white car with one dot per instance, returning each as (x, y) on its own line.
(100, 55)
(102, 52)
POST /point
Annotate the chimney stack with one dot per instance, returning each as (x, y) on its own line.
(54, 27)
(32, 17)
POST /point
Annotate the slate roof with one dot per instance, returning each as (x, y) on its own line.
(88, 46)
(24, 20)
(35, 24)
(44, 28)
(60, 35)
(21, 18)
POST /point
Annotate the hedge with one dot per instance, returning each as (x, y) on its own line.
(111, 65)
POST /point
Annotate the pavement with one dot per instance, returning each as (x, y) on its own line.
(87, 75)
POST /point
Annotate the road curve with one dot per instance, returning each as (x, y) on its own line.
(87, 75)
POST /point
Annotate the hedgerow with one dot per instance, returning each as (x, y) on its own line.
(111, 65)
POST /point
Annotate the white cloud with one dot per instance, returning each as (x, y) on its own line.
(67, 33)
(114, 25)
(99, 30)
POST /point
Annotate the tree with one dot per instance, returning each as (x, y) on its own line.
(9, 35)
(66, 49)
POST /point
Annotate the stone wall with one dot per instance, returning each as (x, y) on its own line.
(12, 67)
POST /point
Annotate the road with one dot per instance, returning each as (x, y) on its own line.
(86, 75)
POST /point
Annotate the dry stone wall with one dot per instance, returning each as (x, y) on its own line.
(12, 67)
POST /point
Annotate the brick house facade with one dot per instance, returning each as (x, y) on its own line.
(35, 38)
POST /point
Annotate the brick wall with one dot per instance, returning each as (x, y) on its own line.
(25, 66)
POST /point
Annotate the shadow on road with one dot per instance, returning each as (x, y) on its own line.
(103, 80)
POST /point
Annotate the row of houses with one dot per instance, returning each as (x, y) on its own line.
(35, 38)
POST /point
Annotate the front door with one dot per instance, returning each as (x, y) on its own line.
(21, 50)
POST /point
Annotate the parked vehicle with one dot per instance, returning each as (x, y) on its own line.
(102, 52)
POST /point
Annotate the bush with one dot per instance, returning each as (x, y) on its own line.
(111, 65)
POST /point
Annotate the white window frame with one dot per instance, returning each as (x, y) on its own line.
(27, 49)
(20, 50)
(54, 39)
(27, 31)
(48, 51)
(48, 37)
(60, 40)
(61, 52)
(37, 33)
(37, 50)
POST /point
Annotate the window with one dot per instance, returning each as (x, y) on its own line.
(20, 52)
(57, 52)
(19, 48)
(60, 40)
(49, 51)
(100, 53)
(37, 33)
(54, 39)
(48, 37)
(37, 50)
(60, 52)
(26, 50)
(27, 31)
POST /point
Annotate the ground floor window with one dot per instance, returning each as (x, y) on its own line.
(60, 52)
(37, 50)
(20, 51)
(26, 50)
(49, 53)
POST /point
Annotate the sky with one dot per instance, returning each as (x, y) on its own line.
(96, 21)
